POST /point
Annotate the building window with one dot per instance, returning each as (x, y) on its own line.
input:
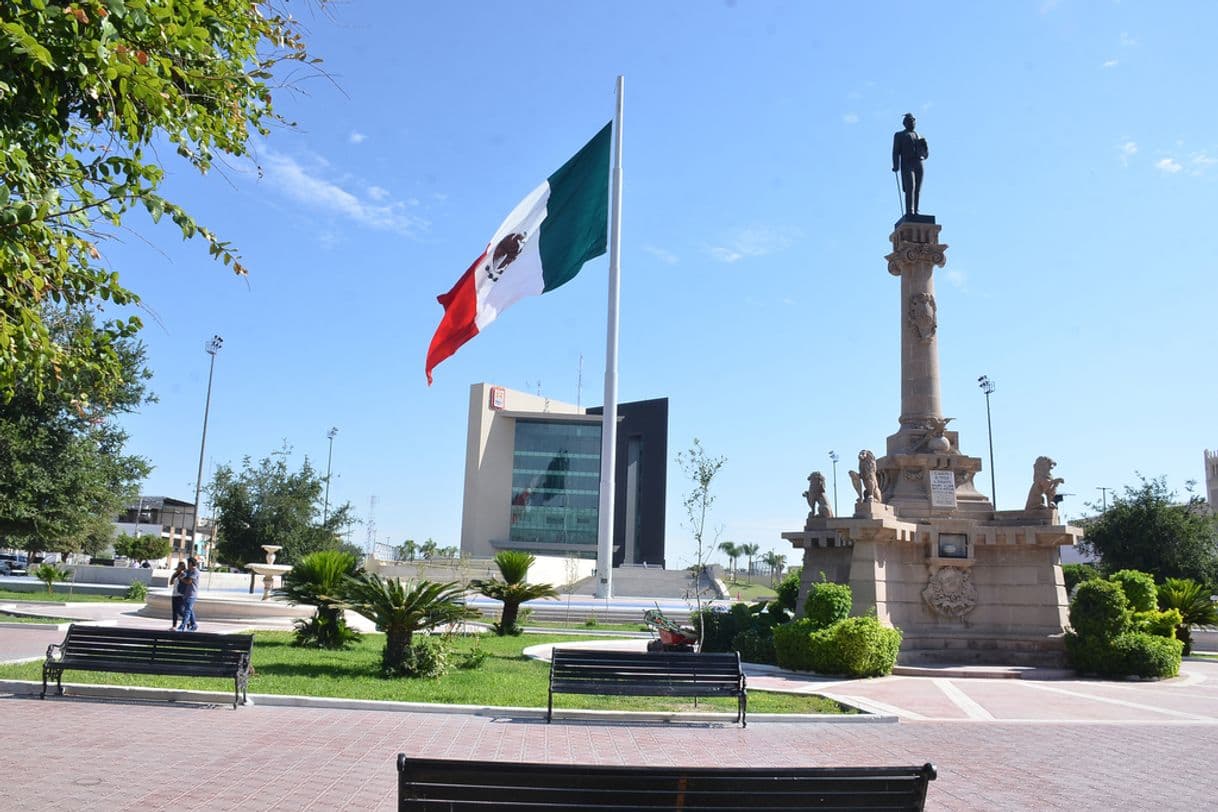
(556, 483)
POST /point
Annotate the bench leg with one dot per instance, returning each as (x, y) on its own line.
(744, 702)
(43, 695)
(550, 708)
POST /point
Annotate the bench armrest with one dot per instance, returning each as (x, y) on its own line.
(51, 651)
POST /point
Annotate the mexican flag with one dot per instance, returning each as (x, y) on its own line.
(541, 245)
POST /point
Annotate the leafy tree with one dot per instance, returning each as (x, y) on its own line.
(268, 503)
(701, 470)
(63, 473)
(1148, 530)
(1195, 604)
(512, 589)
(749, 551)
(733, 551)
(90, 91)
(318, 580)
(401, 611)
(143, 547)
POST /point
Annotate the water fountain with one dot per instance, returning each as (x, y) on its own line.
(269, 570)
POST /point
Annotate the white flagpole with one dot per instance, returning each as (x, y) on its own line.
(604, 535)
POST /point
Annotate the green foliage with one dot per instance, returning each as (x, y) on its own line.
(1139, 589)
(1139, 654)
(590, 622)
(1075, 574)
(1195, 604)
(827, 603)
(750, 626)
(755, 646)
(137, 591)
(49, 574)
(1148, 530)
(63, 473)
(429, 657)
(401, 611)
(792, 645)
(142, 548)
(1159, 623)
(318, 580)
(864, 648)
(91, 94)
(1099, 610)
(268, 503)
(788, 589)
(701, 470)
(512, 589)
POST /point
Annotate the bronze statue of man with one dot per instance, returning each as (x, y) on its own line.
(908, 152)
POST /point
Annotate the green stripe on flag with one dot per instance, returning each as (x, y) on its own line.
(576, 227)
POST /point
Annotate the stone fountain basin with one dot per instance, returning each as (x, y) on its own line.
(228, 605)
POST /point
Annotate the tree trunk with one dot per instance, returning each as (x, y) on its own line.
(397, 644)
(507, 622)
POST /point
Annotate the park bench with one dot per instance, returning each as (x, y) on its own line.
(638, 673)
(142, 651)
(454, 786)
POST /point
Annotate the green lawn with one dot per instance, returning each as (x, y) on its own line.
(750, 592)
(41, 596)
(6, 617)
(505, 678)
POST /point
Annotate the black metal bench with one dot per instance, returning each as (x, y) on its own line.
(637, 673)
(142, 651)
(454, 786)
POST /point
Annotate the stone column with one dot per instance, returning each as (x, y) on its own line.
(916, 250)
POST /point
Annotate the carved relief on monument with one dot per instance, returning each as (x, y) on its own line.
(913, 474)
(866, 483)
(934, 440)
(964, 477)
(1044, 485)
(815, 494)
(950, 592)
(908, 252)
(921, 315)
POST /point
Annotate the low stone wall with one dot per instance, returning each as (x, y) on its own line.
(95, 574)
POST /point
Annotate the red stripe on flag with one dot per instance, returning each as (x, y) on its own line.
(457, 326)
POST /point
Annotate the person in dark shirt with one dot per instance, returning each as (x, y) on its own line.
(909, 150)
(189, 584)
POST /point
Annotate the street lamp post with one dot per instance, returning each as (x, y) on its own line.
(1104, 495)
(833, 456)
(211, 348)
(988, 387)
(325, 511)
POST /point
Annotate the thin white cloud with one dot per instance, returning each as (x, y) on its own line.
(377, 193)
(753, 241)
(957, 278)
(356, 138)
(1127, 149)
(1111, 63)
(1168, 165)
(1127, 41)
(1204, 159)
(309, 186)
(667, 257)
(851, 118)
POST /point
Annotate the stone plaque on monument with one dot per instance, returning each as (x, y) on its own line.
(942, 489)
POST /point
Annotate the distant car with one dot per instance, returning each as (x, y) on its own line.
(11, 567)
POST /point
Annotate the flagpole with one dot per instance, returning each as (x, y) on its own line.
(604, 536)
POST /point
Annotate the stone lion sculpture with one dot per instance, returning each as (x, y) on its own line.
(1044, 485)
(815, 494)
(865, 482)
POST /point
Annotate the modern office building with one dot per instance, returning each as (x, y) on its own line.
(532, 477)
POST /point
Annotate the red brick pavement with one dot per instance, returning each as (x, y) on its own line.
(74, 754)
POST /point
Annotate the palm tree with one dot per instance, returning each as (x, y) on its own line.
(427, 549)
(512, 590)
(1195, 604)
(750, 550)
(775, 561)
(732, 551)
(317, 581)
(49, 574)
(401, 611)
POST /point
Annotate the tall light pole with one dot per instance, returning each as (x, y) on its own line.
(833, 456)
(1104, 494)
(211, 348)
(325, 511)
(988, 387)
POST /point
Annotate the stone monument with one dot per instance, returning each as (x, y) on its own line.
(963, 581)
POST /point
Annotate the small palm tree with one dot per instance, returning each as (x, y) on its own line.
(317, 581)
(49, 574)
(1195, 604)
(732, 551)
(775, 561)
(401, 611)
(750, 550)
(512, 590)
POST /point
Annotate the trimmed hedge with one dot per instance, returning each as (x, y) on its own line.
(1099, 609)
(857, 646)
(1075, 574)
(828, 603)
(1111, 639)
(1139, 588)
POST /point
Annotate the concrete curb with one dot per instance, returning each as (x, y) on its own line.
(173, 695)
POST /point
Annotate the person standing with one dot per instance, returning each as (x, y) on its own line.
(189, 584)
(175, 594)
(909, 150)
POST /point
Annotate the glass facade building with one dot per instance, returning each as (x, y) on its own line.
(556, 485)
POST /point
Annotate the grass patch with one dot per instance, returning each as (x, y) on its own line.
(6, 617)
(751, 592)
(505, 678)
(41, 596)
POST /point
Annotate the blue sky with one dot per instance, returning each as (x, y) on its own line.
(1073, 167)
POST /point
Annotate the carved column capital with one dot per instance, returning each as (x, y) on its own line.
(908, 252)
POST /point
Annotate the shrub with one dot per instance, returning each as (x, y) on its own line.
(864, 647)
(1088, 655)
(49, 574)
(1160, 624)
(1194, 603)
(1139, 589)
(1075, 574)
(828, 603)
(1145, 655)
(716, 628)
(755, 646)
(429, 657)
(138, 591)
(788, 589)
(1099, 610)
(793, 645)
(318, 580)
